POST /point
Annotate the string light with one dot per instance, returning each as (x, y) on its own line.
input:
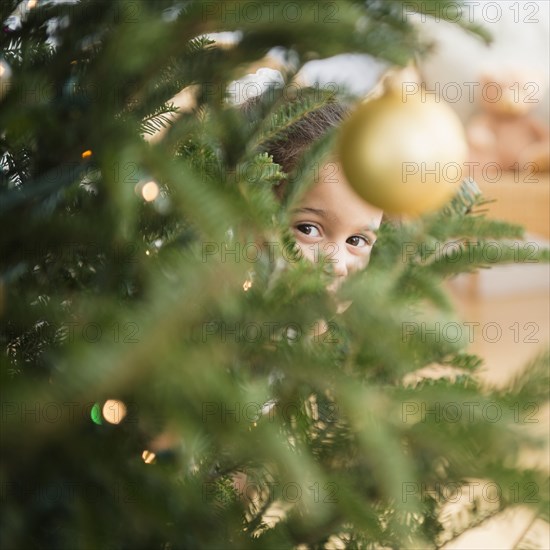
(150, 191)
(114, 411)
(247, 285)
(148, 456)
(95, 414)
(5, 77)
(86, 154)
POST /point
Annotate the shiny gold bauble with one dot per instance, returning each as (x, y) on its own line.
(403, 153)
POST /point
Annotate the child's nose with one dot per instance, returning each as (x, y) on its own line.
(340, 262)
(339, 270)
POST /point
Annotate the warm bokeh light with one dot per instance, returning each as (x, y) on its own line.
(86, 154)
(148, 456)
(150, 191)
(247, 285)
(114, 411)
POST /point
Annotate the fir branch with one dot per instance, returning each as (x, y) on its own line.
(285, 114)
(159, 119)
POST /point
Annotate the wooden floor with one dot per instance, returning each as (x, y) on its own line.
(490, 302)
(514, 299)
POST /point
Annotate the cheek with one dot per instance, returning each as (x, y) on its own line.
(360, 262)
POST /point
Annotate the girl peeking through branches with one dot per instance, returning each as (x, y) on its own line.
(329, 221)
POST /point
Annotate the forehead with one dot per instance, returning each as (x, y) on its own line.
(331, 192)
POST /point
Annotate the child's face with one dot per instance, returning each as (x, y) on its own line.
(331, 220)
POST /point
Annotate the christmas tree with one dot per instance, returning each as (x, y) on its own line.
(165, 379)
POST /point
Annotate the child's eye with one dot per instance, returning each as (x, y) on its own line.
(359, 241)
(308, 229)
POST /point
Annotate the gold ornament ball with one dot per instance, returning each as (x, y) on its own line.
(403, 153)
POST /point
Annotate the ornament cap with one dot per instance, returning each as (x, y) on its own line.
(396, 78)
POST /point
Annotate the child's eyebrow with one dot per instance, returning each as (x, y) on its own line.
(317, 211)
(370, 229)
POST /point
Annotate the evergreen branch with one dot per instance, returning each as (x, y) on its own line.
(159, 119)
(42, 186)
(468, 197)
(276, 125)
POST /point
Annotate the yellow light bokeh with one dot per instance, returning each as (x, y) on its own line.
(150, 191)
(148, 456)
(114, 411)
(87, 154)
